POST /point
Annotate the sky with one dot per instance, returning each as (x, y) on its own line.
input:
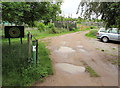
(69, 7)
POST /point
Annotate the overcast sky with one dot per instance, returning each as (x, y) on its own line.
(69, 7)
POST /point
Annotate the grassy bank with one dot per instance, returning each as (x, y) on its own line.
(91, 33)
(17, 70)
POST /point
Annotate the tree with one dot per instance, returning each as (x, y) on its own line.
(109, 12)
(28, 12)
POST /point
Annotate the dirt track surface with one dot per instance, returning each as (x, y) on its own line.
(69, 51)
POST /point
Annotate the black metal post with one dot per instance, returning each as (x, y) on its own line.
(9, 41)
(21, 39)
(36, 51)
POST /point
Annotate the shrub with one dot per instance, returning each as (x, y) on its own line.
(41, 27)
(74, 29)
(57, 30)
(36, 23)
(62, 30)
(71, 26)
(51, 25)
(53, 31)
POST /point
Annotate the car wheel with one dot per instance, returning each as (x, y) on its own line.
(105, 39)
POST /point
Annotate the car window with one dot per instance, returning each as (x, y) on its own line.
(102, 30)
(113, 30)
(119, 31)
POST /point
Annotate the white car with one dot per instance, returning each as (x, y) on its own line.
(108, 34)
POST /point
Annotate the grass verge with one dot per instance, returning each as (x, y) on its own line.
(16, 68)
(91, 33)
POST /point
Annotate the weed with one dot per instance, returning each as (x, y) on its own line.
(92, 72)
(115, 61)
(113, 48)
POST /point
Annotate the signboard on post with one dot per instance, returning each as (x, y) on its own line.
(14, 31)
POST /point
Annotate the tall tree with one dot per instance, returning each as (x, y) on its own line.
(109, 11)
(28, 12)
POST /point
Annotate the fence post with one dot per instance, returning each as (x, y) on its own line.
(36, 51)
(29, 44)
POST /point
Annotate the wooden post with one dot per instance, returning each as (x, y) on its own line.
(29, 45)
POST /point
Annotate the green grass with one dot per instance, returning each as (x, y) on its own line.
(91, 33)
(16, 68)
(115, 61)
(92, 72)
(38, 35)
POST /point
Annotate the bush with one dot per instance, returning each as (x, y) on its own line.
(92, 33)
(36, 23)
(62, 30)
(40, 26)
(74, 29)
(53, 31)
(51, 25)
(57, 30)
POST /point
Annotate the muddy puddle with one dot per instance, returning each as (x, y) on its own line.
(82, 50)
(64, 49)
(80, 46)
(70, 68)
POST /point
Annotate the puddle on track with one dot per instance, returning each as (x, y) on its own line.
(69, 68)
(79, 46)
(82, 50)
(65, 50)
(64, 43)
